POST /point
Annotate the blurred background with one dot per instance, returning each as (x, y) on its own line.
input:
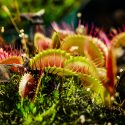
(21, 12)
(55, 10)
(105, 14)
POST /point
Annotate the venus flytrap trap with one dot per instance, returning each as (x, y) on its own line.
(41, 42)
(55, 58)
(11, 57)
(56, 41)
(43, 110)
(69, 76)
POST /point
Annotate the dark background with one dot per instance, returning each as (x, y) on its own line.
(104, 13)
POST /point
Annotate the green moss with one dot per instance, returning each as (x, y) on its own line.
(9, 97)
(60, 100)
